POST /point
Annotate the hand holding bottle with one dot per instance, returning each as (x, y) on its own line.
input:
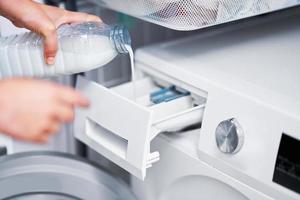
(42, 19)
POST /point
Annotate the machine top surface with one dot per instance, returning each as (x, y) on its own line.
(261, 62)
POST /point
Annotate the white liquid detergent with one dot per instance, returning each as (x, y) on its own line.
(82, 47)
(131, 56)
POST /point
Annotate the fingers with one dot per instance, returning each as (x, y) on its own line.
(58, 17)
(53, 127)
(61, 16)
(50, 42)
(70, 17)
(93, 18)
(72, 97)
(43, 137)
(47, 29)
(64, 113)
(67, 100)
(79, 17)
(49, 128)
(66, 95)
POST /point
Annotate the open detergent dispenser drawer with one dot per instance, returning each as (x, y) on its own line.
(121, 127)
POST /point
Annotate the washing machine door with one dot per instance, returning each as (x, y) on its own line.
(49, 176)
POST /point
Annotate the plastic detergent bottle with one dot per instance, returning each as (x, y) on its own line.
(82, 47)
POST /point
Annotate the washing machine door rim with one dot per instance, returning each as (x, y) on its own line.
(52, 175)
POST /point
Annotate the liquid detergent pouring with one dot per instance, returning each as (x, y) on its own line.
(82, 47)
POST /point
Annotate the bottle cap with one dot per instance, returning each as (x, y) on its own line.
(120, 37)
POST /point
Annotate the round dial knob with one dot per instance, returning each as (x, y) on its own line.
(229, 136)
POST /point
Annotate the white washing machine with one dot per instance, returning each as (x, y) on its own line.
(241, 85)
(248, 142)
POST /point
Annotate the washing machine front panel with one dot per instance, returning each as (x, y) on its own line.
(182, 175)
(200, 186)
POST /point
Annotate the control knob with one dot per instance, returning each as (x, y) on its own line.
(229, 136)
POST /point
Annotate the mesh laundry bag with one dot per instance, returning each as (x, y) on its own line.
(194, 14)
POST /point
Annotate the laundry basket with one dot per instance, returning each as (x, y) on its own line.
(194, 14)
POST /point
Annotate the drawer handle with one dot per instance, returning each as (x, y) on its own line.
(106, 138)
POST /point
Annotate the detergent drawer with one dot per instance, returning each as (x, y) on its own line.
(121, 123)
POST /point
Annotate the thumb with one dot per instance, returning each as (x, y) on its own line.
(48, 31)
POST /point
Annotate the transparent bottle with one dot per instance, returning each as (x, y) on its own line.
(82, 47)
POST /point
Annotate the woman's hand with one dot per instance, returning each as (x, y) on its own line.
(43, 20)
(33, 110)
